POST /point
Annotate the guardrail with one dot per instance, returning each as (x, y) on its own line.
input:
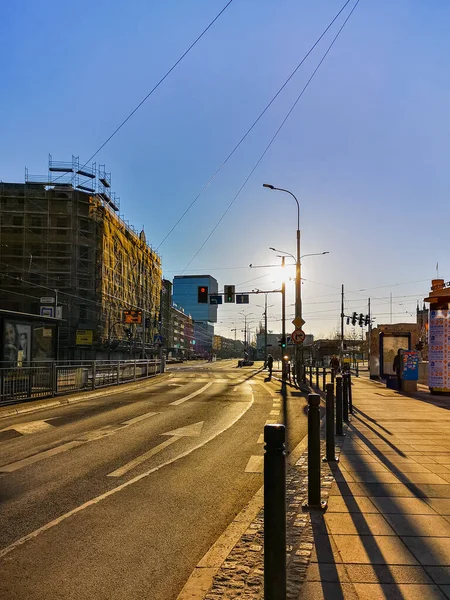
(19, 384)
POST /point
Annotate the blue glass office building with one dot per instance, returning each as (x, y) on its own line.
(185, 294)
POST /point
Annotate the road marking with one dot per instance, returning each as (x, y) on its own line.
(271, 422)
(34, 534)
(255, 464)
(140, 418)
(274, 413)
(37, 457)
(181, 400)
(31, 427)
(260, 439)
(140, 459)
(188, 431)
(176, 384)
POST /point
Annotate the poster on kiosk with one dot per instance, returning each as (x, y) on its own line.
(439, 350)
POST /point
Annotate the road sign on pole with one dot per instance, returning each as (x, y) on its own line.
(298, 322)
(298, 336)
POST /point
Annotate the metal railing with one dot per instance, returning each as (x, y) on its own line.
(18, 384)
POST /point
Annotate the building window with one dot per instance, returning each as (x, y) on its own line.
(17, 220)
(36, 221)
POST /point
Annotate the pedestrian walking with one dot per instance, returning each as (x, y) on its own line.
(270, 365)
(334, 364)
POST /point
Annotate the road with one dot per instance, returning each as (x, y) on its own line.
(119, 496)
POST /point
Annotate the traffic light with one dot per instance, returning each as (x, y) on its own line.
(202, 294)
(282, 341)
(361, 319)
(229, 291)
(354, 317)
(367, 323)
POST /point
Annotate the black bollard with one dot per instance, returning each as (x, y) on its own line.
(339, 428)
(350, 399)
(345, 397)
(274, 513)
(324, 379)
(310, 374)
(314, 454)
(333, 375)
(330, 448)
(317, 377)
(357, 369)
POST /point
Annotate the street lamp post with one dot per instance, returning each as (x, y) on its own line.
(298, 295)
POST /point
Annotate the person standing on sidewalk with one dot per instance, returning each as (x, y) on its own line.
(397, 368)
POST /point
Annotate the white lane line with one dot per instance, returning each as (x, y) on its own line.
(181, 400)
(140, 418)
(274, 413)
(34, 534)
(31, 427)
(193, 430)
(255, 464)
(37, 457)
(140, 459)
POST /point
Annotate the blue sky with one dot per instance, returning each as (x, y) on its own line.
(365, 150)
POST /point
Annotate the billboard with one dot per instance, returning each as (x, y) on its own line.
(439, 350)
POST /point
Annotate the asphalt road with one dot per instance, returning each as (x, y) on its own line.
(119, 496)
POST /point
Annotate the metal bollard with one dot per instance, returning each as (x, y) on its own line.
(339, 428)
(345, 397)
(310, 374)
(317, 377)
(350, 399)
(357, 369)
(330, 447)
(274, 513)
(314, 501)
(333, 375)
(324, 379)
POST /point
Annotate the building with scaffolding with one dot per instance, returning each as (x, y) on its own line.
(65, 251)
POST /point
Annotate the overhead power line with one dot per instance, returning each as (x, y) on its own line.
(214, 175)
(275, 135)
(156, 86)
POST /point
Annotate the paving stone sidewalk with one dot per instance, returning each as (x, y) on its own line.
(241, 576)
(386, 533)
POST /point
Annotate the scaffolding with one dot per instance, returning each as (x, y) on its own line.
(61, 236)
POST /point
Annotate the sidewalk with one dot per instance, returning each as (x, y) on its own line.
(386, 533)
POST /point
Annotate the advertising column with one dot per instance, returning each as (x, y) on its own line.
(439, 351)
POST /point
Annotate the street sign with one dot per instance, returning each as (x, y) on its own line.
(215, 299)
(47, 300)
(289, 341)
(47, 311)
(298, 322)
(298, 336)
(242, 299)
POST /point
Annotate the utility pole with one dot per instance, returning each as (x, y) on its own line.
(265, 330)
(341, 357)
(283, 322)
(369, 335)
